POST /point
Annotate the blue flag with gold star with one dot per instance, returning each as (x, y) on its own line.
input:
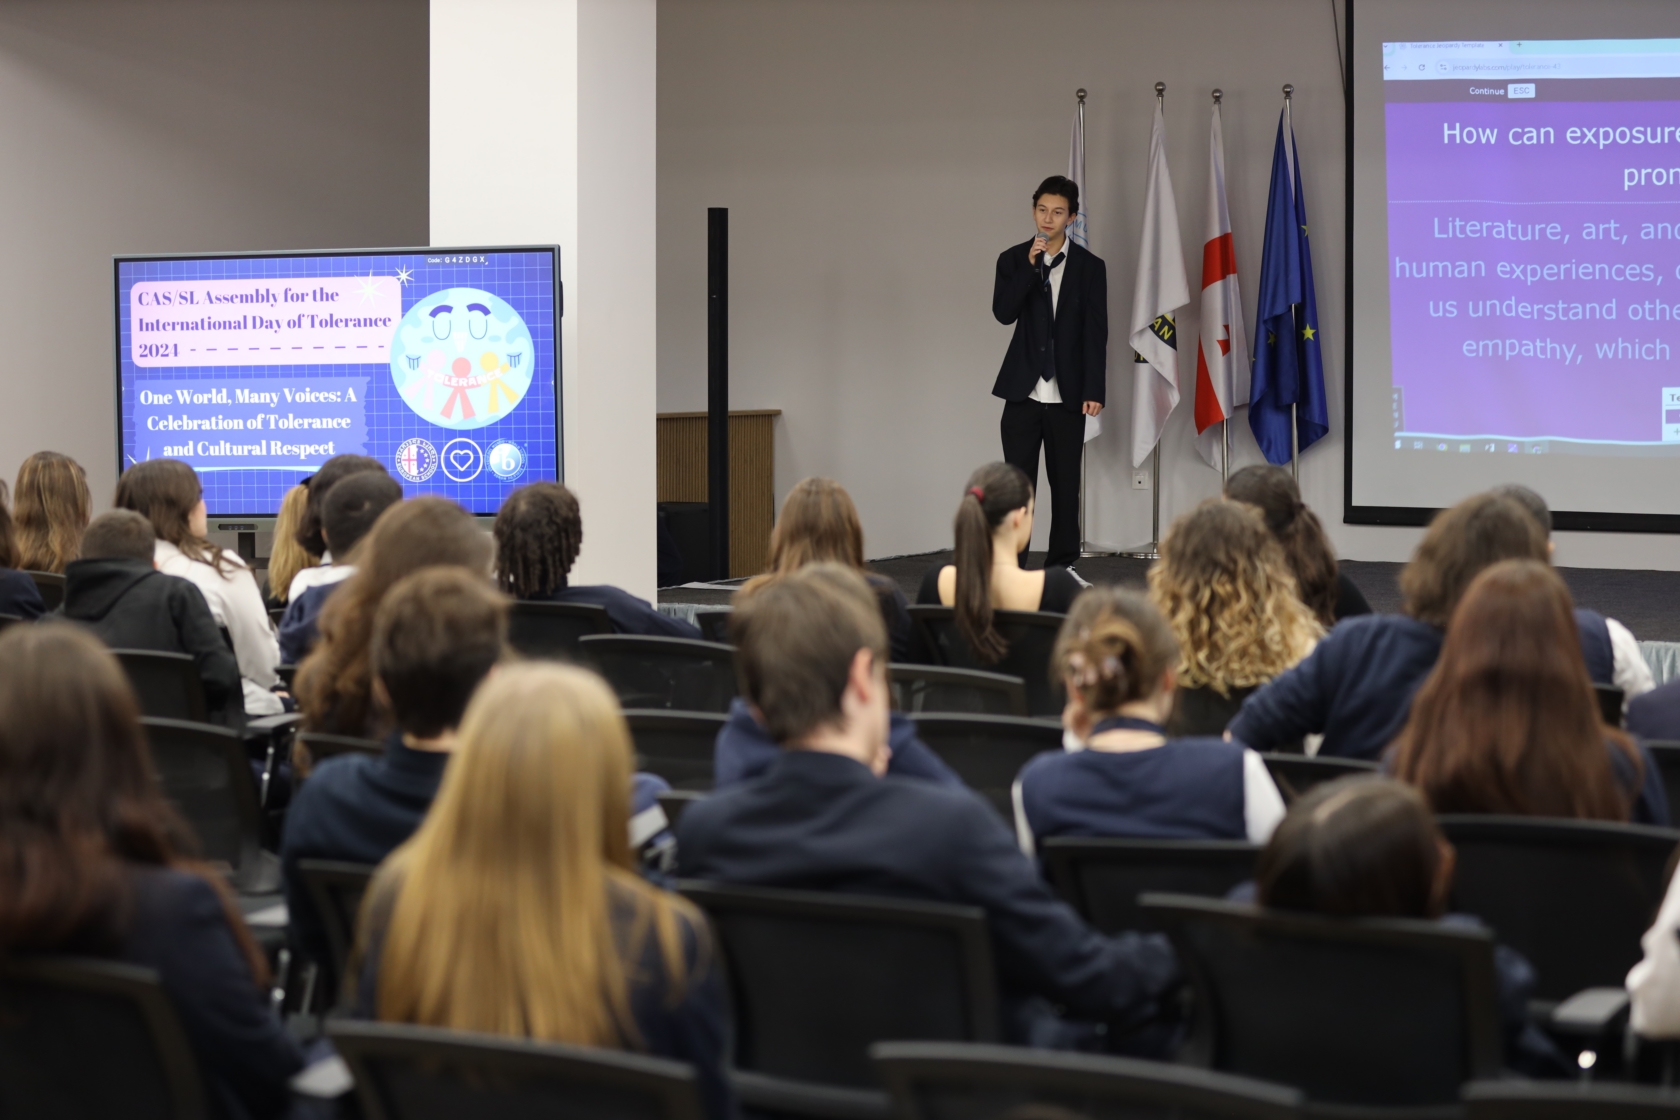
(1288, 362)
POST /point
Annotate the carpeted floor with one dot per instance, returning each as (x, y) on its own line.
(1647, 602)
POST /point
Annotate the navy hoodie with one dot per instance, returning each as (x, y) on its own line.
(745, 750)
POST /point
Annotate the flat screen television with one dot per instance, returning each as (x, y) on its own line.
(255, 368)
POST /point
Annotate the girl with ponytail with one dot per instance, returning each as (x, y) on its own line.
(1119, 661)
(1326, 592)
(992, 528)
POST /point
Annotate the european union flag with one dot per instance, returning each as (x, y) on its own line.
(1288, 365)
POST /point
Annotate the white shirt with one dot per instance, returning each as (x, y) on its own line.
(321, 573)
(1628, 669)
(236, 605)
(1048, 392)
(1654, 983)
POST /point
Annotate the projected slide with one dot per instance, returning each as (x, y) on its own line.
(1533, 266)
(256, 370)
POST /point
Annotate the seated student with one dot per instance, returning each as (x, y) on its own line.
(515, 908)
(539, 531)
(992, 529)
(1225, 588)
(18, 594)
(1611, 650)
(116, 591)
(167, 493)
(1507, 722)
(1356, 687)
(1656, 714)
(1365, 847)
(812, 657)
(310, 534)
(94, 862)
(334, 683)
(1326, 591)
(288, 557)
(1653, 984)
(52, 508)
(347, 513)
(1118, 656)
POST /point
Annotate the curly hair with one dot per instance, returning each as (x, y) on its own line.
(539, 531)
(1227, 592)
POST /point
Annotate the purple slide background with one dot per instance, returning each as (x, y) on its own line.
(1587, 398)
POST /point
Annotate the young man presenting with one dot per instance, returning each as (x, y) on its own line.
(1055, 371)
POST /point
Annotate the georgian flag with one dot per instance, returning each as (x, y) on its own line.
(1222, 346)
(1162, 288)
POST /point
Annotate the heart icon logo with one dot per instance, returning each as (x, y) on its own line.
(461, 459)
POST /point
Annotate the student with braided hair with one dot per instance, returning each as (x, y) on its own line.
(539, 532)
(1119, 660)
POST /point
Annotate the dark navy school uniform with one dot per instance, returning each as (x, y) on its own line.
(1656, 715)
(19, 595)
(744, 750)
(629, 614)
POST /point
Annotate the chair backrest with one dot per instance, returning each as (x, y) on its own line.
(676, 801)
(678, 746)
(551, 630)
(931, 688)
(1666, 754)
(336, 888)
(167, 684)
(1609, 703)
(275, 614)
(311, 748)
(680, 674)
(1574, 897)
(987, 752)
(51, 587)
(423, 1073)
(974, 1081)
(1030, 635)
(92, 1038)
(1295, 774)
(205, 773)
(714, 624)
(1517, 1099)
(1360, 1011)
(1103, 878)
(816, 978)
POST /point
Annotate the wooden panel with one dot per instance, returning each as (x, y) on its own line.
(682, 441)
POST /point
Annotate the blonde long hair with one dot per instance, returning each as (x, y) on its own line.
(51, 506)
(1226, 590)
(289, 557)
(502, 904)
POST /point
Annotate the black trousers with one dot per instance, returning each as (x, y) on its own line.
(1029, 425)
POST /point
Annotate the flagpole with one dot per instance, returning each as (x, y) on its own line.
(1294, 320)
(1085, 546)
(1225, 424)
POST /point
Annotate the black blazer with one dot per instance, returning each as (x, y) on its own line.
(1656, 715)
(1081, 327)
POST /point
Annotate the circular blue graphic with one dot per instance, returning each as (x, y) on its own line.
(416, 460)
(506, 460)
(462, 358)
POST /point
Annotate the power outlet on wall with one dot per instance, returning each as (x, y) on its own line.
(1140, 480)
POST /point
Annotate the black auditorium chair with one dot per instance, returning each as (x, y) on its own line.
(681, 674)
(167, 684)
(987, 752)
(676, 801)
(311, 748)
(714, 624)
(1610, 700)
(92, 1038)
(1103, 878)
(1516, 1099)
(1353, 1012)
(1030, 635)
(1666, 754)
(976, 1081)
(933, 688)
(205, 773)
(275, 614)
(1295, 774)
(815, 979)
(405, 1072)
(550, 631)
(51, 587)
(287, 674)
(1574, 897)
(336, 887)
(678, 746)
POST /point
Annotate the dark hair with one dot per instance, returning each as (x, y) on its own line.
(1479, 531)
(1529, 500)
(1113, 648)
(78, 799)
(435, 637)
(539, 530)
(994, 492)
(8, 535)
(796, 636)
(1507, 721)
(165, 491)
(353, 505)
(1357, 847)
(1060, 185)
(309, 531)
(51, 507)
(1298, 530)
(119, 534)
(334, 683)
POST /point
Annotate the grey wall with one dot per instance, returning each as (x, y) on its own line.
(179, 126)
(878, 154)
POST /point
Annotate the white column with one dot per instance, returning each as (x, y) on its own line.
(543, 132)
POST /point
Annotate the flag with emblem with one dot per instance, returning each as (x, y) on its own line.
(1162, 288)
(1288, 363)
(1076, 228)
(1222, 345)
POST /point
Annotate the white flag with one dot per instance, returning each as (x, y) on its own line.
(1162, 288)
(1076, 228)
(1222, 347)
